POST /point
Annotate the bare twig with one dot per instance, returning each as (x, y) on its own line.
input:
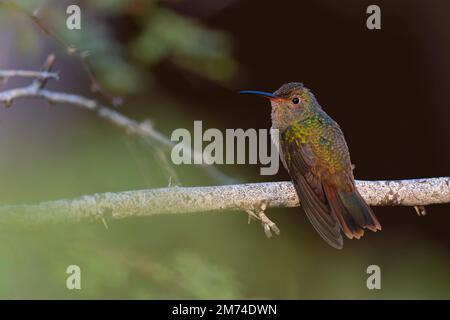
(28, 74)
(40, 83)
(120, 120)
(415, 192)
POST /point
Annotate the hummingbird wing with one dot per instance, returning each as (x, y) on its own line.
(301, 163)
(321, 171)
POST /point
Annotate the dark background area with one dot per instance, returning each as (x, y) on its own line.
(386, 88)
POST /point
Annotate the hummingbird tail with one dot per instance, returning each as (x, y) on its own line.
(352, 212)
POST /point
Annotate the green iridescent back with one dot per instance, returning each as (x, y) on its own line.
(324, 137)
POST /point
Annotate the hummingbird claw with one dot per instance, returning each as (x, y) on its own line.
(258, 213)
(251, 215)
(268, 226)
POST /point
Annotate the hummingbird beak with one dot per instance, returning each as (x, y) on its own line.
(268, 95)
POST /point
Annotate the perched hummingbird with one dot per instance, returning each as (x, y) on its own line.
(313, 150)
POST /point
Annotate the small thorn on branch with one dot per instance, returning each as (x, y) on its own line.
(420, 210)
(3, 81)
(41, 82)
(105, 224)
(49, 62)
(71, 50)
(94, 87)
(117, 101)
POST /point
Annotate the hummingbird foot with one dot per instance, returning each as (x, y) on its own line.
(258, 212)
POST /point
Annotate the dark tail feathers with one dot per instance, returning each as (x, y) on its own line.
(352, 212)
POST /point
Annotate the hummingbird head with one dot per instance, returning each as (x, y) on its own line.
(290, 96)
(290, 102)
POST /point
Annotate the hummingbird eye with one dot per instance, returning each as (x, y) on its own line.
(295, 100)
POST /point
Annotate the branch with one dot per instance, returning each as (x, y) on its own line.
(242, 197)
(144, 129)
(28, 74)
(131, 126)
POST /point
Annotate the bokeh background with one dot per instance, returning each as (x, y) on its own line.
(177, 61)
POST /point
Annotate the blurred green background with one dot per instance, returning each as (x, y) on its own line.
(174, 62)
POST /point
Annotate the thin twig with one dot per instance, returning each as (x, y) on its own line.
(28, 74)
(40, 83)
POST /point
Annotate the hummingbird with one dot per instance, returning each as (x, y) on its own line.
(314, 152)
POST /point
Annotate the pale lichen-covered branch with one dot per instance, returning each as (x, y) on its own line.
(242, 197)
